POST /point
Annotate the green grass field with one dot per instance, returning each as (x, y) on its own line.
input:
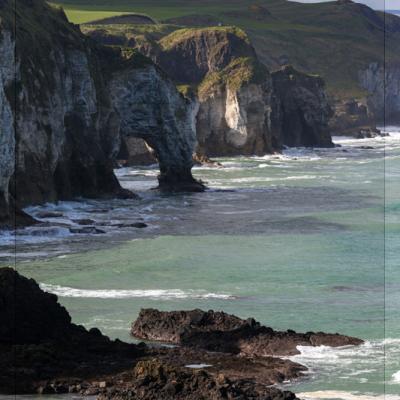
(334, 41)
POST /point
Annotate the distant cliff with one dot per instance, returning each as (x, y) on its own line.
(383, 87)
(64, 106)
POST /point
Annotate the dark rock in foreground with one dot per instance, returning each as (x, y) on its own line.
(163, 381)
(38, 342)
(43, 352)
(218, 331)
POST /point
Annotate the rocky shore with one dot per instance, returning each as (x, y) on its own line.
(44, 352)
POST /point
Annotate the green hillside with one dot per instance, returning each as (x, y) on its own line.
(335, 39)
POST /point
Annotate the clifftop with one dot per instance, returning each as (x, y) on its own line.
(303, 35)
(188, 55)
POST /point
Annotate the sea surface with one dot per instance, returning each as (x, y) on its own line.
(305, 240)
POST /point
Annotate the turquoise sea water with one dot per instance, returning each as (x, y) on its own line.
(307, 240)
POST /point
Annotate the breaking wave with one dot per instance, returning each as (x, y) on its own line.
(163, 294)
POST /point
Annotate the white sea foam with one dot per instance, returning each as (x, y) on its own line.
(198, 366)
(254, 179)
(339, 394)
(359, 364)
(166, 294)
(396, 377)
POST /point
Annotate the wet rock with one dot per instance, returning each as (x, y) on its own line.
(49, 214)
(218, 331)
(87, 230)
(84, 221)
(366, 133)
(350, 116)
(138, 225)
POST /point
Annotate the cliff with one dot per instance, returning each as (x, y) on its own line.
(303, 111)
(63, 113)
(383, 86)
(242, 108)
(338, 40)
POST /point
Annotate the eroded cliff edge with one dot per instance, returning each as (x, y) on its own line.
(63, 112)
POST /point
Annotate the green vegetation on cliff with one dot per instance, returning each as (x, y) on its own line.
(334, 39)
(239, 72)
(181, 35)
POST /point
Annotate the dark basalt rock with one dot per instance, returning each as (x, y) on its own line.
(84, 221)
(87, 230)
(302, 110)
(172, 180)
(153, 380)
(38, 342)
(139, 225)
(49, 214)
(12, 217)
(217, 331)
(43, 352)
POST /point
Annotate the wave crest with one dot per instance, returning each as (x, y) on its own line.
(163, 294)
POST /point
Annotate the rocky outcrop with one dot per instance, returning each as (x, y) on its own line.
(189, 55)
(303, 111)
(43, 352)
(217, 331)
(235, 111)
(38, 342)
(383, 86)
(233, 88)
(62, 120)
(154, 380)
(350, 116)
(151, 108)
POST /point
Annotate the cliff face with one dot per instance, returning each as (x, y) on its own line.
(68, 116)
(383, 87)
(303, 111)
(234, 89)
(54, 97)
(233, 122)
(188, 55)
(7, 141)
(242, 108)
(158, 112)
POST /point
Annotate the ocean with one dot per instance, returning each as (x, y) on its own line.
(307, 240)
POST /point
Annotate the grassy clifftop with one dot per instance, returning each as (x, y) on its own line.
(197, 59)
(333, 39)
